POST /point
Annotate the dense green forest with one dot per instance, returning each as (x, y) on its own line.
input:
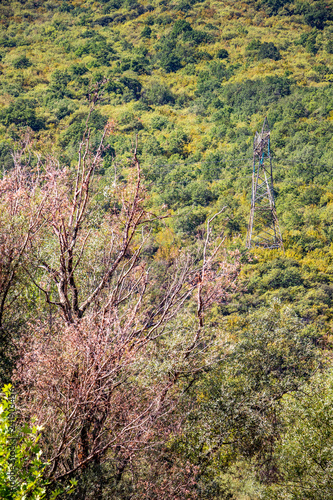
(151, 354)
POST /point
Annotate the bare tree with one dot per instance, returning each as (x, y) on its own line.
(127, 339)
(21, 208)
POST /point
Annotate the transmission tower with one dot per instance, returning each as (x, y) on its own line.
(263, 230)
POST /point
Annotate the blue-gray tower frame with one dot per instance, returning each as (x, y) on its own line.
(263, 230)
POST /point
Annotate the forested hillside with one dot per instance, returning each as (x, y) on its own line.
(163, 358)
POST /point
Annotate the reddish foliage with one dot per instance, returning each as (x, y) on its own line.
(104, 378)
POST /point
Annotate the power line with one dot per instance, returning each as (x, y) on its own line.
(280, 161)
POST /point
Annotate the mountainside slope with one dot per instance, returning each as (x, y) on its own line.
(194, 80)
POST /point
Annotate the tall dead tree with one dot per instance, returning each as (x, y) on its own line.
(125, 332)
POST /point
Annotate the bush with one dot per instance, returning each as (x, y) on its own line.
(152, 147)
(197, 37)
(130, 122)
(140, 64)
(329, 47)
(273, 6)
(112, 5)
(104, 20)
(305, 449)
(210, 80)
(186, 5)
(58, 86)
(63, 109)
(22, 112)
(254, 95)
(65, 6)
(21, 467)
(146, 32)
(6, 159)
(168, 59)
(78, 69)
(189, 219)
(97, 47)
(254, 45)
(177, 49)
(129, 88)
(7, 42)
(177, 140)
(133, 85)
(22, 62)
(181, 26)
(309, 41)
(199, 194)
(316, 14)
(159, 122)
(222, 54)
(158, 94)
(212, 167)
(269, 51)
(73, 134)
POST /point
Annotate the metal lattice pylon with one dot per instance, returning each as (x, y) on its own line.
(263, 230)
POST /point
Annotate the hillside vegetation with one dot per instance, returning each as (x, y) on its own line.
(194, 80)
(186, 84)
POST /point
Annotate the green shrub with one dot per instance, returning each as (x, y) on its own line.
(273, 6)
(189, 219)
(78, 69)
(130, 122)
(254, 45)
(177, 49)
(22, 62)
(6, 159)
(181, 26)
(146, 32)
(269, 51)
(199, 194)
(21, 466)
(129, 88)
(22, 112)
(65, 6)
(103, 51)
(177, 140)
(58, 87)
(159, 122)
(254, 95)
(133, 85)
(63, 108)
(329, 47)
(197, 37)
(112, 5)
(73, 134)
(209, 82)
(140, 64)
(186, 5)
(8, 42)
(304, 453)
(309, 41)
(152, 147)
(316, 13)
(158, 94)
(212, 167)
(169, 60)
(222, 54)
(175, 183)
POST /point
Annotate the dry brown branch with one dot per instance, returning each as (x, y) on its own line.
(22, 205)
(109, 371)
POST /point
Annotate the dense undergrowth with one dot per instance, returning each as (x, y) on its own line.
(194, 81)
